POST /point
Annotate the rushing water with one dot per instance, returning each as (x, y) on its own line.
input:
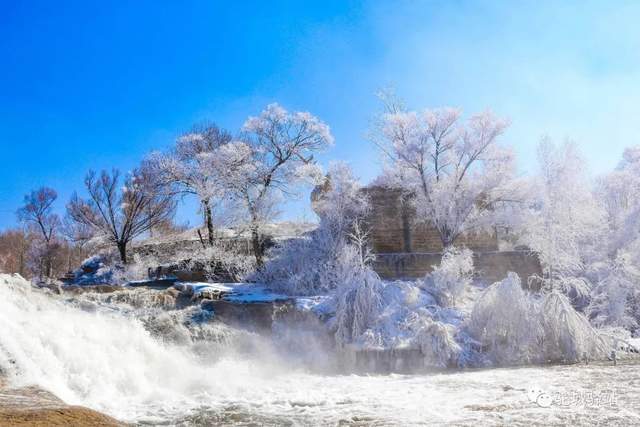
(145, 365)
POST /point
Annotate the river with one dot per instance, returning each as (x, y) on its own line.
(149, 370)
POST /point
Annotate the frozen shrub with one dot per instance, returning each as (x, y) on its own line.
(516, 327)
(450, 278)
(359, 301)
(312, 264)
(303, 266)
(437, 342)
(568, 336)
(505, 321)
(373, 314)
(614, 296)
(220, 261)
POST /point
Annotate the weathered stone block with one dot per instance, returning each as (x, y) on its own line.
(489, 266)
(394, 227)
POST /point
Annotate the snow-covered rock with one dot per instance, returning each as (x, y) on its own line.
(231, 292)
(97, 270)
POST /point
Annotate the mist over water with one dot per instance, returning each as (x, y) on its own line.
(120, 354)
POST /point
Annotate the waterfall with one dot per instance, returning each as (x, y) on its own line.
(125, 355)
(105, 357)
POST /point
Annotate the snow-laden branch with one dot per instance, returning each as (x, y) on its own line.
(456, 172)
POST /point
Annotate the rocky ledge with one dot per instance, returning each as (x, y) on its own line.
(34, 407)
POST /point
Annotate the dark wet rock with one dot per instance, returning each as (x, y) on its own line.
(403, 360)
(101, 289)
(252, 316)
(160, 283)
(212, 294)
(53, 287)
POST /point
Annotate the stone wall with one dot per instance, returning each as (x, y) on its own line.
(407, 248)
(394, 227)
(489, 266)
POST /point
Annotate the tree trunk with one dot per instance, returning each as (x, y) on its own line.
(446, 237)
(21, 266)
(122, 250)
(208, 218)
(48, 260)
(47, 266)
(257, 246)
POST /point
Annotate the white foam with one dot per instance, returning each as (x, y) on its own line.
(109, 362)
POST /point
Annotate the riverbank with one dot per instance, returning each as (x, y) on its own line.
(35, 407)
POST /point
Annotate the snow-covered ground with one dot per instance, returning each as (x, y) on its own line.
(277, 230)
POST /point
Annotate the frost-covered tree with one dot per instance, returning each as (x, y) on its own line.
(310, 264)
(154, 182)
(119, 215)
(37, 213)
(614, 296)
(341, 204)
(565, 219)
(615, 299)
(197, 165)
(452, 276)
(359, 299)
(455, 170)
(282, 148)
(618, 192)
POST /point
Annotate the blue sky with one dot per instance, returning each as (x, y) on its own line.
(98, 84)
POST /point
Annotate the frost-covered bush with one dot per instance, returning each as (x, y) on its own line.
(233, 264)
(221, 261)
(315, 263)
(436, 340)
(359, 300)
(371, 314)
(304, 265)
(614, 297)
(450, 278)
(568, 336)
(377, 315)
(514, 326)
(218, 262)
(505, 321)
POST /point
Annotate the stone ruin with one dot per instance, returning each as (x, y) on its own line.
(406, 248)
(395, 229)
